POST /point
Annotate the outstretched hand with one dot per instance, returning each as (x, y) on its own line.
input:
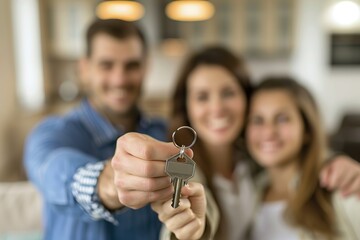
(139, 164)
(188, 220)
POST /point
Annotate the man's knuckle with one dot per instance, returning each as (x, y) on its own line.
(124, 195)
(115, 162)
(148, 169)
(120, 183)
(146, 152)
(161, 217)
(182, 234)
(151, 185)
(127, 200)
(155, 196)
(178, 234)
(120, 142)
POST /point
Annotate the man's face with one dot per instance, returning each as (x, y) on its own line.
(114, 73)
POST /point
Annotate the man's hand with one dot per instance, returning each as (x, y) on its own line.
(342, 173)
(188, 220)
(139, 164)
(106, 188)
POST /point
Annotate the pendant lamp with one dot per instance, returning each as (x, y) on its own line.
(188, 10)
(125, 10)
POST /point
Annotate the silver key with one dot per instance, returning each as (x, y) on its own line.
(180, 168)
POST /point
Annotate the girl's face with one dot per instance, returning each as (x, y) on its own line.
(216, 105)
(275, 132)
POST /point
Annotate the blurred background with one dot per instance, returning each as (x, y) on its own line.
(41, 40)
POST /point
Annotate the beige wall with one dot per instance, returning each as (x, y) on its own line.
(336, 89)
(7, 81)
(15, 121)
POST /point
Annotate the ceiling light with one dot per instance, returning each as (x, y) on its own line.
(186, 10)
(345, 13)
(125, 10)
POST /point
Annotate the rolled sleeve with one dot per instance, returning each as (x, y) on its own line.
(84, 190)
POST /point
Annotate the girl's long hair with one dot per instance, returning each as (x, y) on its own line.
(211, 56)
(310, 206)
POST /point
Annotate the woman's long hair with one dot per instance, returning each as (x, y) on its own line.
(310, 205)
(211, 56)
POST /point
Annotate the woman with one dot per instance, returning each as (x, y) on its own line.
(211, 95)
(285, 136)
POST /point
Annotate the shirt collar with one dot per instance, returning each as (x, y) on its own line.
(240, 172)
(100, 128)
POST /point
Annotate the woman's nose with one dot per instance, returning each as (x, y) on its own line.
(217, 105)
(269, 130)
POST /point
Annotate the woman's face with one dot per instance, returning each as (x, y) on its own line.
(275, 132)
(216, 105)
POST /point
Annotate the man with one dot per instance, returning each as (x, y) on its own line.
(68, 157)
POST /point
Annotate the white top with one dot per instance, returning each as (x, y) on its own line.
(269, 223)
(237, 200)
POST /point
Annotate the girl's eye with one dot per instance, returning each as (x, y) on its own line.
(228, 93)
(282, 118)
(201, 97)
(256, 120)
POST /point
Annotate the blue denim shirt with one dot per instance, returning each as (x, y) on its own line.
(54, 151)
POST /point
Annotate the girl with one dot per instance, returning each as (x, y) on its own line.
(285, 137)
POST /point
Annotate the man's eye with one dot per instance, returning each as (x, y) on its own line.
(133, 65)
(106, 65)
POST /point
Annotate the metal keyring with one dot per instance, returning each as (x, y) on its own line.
(184, 147)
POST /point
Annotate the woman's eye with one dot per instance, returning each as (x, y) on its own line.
(201, 97)
(228, 93)
(256, 120)
(282, 119)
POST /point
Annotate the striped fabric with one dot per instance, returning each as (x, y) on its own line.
(84, 191)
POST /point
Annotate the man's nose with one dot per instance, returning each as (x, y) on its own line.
(118, 75)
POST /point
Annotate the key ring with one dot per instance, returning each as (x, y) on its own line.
(184, 147)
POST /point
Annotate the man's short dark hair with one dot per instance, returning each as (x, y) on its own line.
(115, 28)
